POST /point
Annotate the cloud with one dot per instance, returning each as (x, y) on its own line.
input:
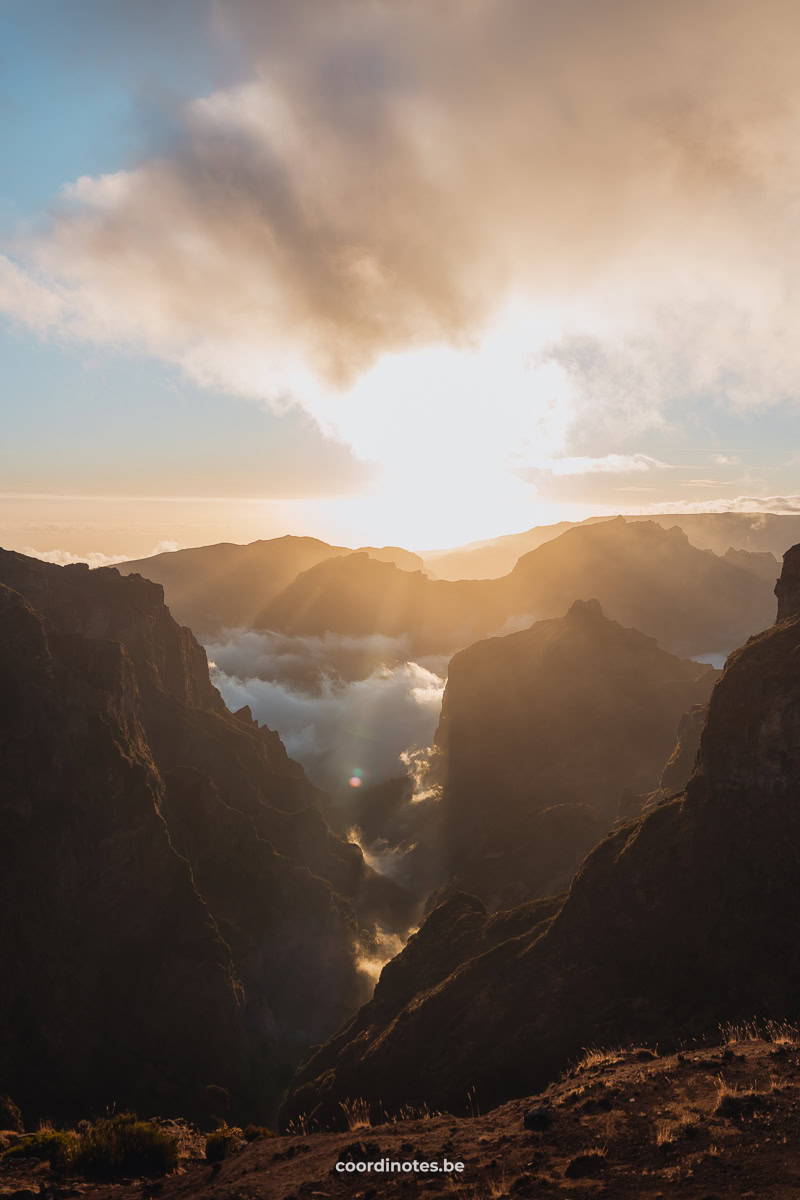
(781, 505)
(612, 464)
(94, 558)
(511, 232)
(329, 723)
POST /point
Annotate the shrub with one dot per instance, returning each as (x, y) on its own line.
(56, 1146)
(124, 1145)
(256, 1133)
(222, 1142)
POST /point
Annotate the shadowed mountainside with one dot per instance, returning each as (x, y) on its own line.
(645, 577)
(177, 921)
(211, 588)
(675, 923)
(771, 533)
(542, 731)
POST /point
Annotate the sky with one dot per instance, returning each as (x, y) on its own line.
(383, 273)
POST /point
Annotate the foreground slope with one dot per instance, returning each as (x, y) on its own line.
(675, 923)
(630, 1124)
(176, 919)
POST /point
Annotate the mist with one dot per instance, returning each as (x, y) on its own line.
(345, 707)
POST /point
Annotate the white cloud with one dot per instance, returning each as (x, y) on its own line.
(94, 558)
(509, 248)
(782, 505)
(613, 464)
(330, 724)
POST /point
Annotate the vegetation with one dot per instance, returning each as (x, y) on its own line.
(124, 1145)
(257, 1133)
(56, 1146)
(222, 1142)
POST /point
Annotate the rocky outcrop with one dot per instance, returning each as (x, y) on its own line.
(675, 923)
(542, 731)
(176, 918)
(677, 769)
(692, 601)
(787, 589)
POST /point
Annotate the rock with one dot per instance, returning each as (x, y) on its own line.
(787, 589)
(675, 924)
(179, 920)
(537, 1118)
(541, 730)
(10, 1116)
(586, 1166)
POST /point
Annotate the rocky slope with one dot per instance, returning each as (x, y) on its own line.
(176, 918)
(542, 731)
(211, 588)
(709, 1122)
(693, 602)
(676, 922)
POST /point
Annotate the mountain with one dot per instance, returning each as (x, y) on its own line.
(177, 921)
(677, 922)
(210, 588)
(649, 578)
(646, 577)
(541, 731)
(771, 533)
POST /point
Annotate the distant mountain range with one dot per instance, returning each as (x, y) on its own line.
(210, 588)
(646, 574)
(770, 532)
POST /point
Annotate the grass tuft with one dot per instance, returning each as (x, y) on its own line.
(124, 1145)
(222, 1142)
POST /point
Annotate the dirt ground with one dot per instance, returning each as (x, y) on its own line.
(707, 1124)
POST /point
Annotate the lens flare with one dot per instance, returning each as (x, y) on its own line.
(354, 781)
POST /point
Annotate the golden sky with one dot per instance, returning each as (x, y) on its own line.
(471, 265)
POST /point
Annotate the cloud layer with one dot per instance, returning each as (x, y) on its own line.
(339, 704)
(520, 234)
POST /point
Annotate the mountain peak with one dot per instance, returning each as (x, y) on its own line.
(586, 610)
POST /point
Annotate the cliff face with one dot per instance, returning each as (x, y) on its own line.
(787, 589)
(176, 918)
(676, 922)
(542, 731)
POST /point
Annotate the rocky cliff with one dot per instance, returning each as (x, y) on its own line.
(542, 731)
(676, 922)
(176, 918)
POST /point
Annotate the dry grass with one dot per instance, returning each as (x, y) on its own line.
(781, 1033)
(668, 1133)
(357, 1114)
(594, 1056)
